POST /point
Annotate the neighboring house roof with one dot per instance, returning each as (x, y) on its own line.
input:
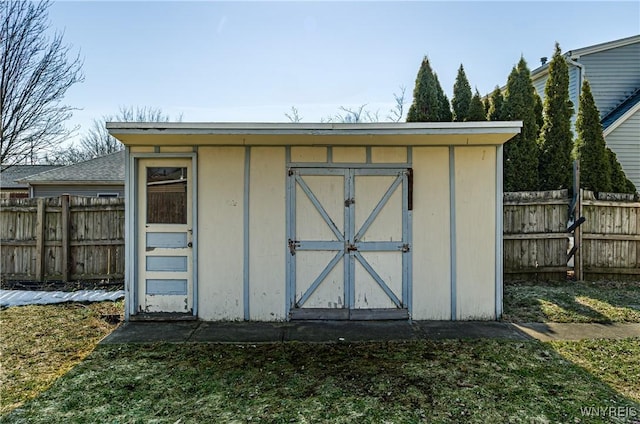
(616, 115)
(575, 54)
(107, 169)
(11, 174)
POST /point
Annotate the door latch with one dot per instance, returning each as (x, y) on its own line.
(349, 202)
(405, 248)
(292, 246)
(351, 247)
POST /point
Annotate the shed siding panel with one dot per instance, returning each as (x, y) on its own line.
(308, 154)
(431, 248)
(625, 142)
(267, 220)
(88, 191)
(350, 154)
(176, 149)
(220, 228)
(141, 149)
(613, 75)
(389, 154)
(475, 199)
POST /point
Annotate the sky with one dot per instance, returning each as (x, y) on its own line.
(211, 61)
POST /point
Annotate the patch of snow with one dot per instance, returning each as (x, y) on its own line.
(30, 297)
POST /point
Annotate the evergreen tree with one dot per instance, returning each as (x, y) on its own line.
(476, 108)
(556, 139)
(539, 117)
(521, 152)
(619, 181)
(496, 101)
(591, 150)
(430, 104)
(461, 100)
(445, 114)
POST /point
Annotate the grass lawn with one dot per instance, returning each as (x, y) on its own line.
(572, 302)
(444, 381)
(39, 344)
(53, 371)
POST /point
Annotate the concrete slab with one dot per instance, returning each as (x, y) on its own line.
(577, 331)
(470, 330)
(149, 332)
(349, 331)
(238, 332)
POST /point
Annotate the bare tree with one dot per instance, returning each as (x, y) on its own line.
(397, 112)
(294, 116)
(353, 115)
(36, 72)
(98, 142)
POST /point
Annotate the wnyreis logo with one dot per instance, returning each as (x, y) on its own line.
(610, 411)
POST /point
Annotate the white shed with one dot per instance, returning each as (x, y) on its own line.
(276, 222)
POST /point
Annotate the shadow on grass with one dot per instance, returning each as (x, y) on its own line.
(567, 301)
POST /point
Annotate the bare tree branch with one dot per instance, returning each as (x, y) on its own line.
(397, 112)
(36, 72)
(294, 116)
(98, 142)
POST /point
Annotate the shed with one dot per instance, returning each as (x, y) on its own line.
(276, 222)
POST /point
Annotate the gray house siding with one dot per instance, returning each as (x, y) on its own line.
(76, 190)
(625, 142)
(613, 74)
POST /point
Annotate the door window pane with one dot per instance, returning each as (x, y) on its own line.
(166, 195)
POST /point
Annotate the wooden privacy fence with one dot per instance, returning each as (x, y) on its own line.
(536, 241)
(535, 235)
(62, 238)
(82, 238)
(610, 238)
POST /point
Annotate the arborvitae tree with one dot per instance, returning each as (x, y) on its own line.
(539, 115)
(426, 101)
(476, 108)
(521, 152)
(461, 100)
(486, 102)
(445, 114)
(496, 101)
(556, 139)
(619, 181)
(591, 150)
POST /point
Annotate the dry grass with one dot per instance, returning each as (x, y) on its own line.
(40, 343)
(572, 302)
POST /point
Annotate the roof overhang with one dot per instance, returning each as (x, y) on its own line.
(615, 124)
(278, 134)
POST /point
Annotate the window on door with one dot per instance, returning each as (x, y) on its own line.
(166, 195)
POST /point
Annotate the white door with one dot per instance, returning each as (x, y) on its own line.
(165, 250)
(348, 243)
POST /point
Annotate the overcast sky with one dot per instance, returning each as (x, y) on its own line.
(251, 61)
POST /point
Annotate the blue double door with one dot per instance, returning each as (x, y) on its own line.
(349, 248)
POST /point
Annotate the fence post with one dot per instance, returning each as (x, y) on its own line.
(64, 200)
(40, 239)
(577, 234)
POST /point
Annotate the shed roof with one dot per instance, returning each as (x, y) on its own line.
(10, 175)
(236, 133)
(108, 169)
